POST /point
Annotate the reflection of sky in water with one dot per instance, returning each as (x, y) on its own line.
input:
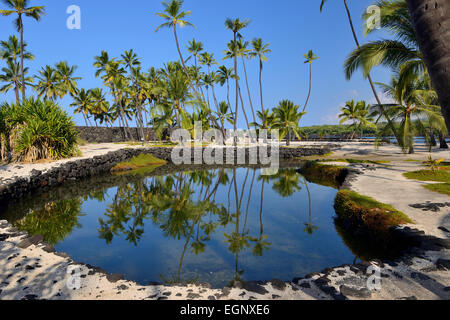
(292, 253)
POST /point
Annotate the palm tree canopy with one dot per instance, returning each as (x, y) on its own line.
(174, 15)
(10, 50)
(310, 57)
(20, 7)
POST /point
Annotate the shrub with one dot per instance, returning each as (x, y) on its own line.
(37, 130)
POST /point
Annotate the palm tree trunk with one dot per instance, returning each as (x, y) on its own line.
(261, 92)
(310, 83)
(442, 142)
(248, 90)
(237, 94)
(243, 109)
(431, 24)
(394, 130)
(21, 56)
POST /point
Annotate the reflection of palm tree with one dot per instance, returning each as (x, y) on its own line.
(55, 221)
(287, 182)
(309, 228)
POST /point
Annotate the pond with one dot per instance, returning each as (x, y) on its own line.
(214, 226)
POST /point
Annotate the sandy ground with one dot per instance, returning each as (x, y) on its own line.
(31, 272)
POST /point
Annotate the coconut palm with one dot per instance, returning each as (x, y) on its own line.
(224, 114)
(287, 118)
(11, 76)
(20, 7)
(411, 106)
(236, 26)
(175, 17)
(10, 50)
(356, 112)
(260, 50)
(224, 75)
(48, 84)
(82, 101)
(195, 48)
(65, 74)
(310, 57)
(100, 107)
(369, 77)
(428, 19)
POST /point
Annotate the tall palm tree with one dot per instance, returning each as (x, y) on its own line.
(65, 74)
(175, 17)
(224, 76)
(100, 107)
(236, 26)
(195, 48)
(10, 50)
(20, 7)
(369, 77)
(429, 20)
(260, 50)
(310, 57)
(287, 118)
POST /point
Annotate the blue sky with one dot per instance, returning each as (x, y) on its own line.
(292, 27)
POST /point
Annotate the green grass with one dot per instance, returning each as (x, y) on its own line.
(429, 175)
(442, 175)
(355, 161)
(323, 174)
(443, 188)
(143, 163)
(374, 215)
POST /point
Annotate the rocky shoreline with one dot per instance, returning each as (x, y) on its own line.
(31, 269)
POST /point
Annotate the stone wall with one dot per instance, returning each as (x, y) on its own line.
(116, 134)
(85, 168)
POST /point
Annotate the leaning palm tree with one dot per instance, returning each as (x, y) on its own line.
(287, 118)
(429, 20)
(20, 7)
(369, 77)
(310, 57)
(236, 26)
(175, 17)
(260, 50)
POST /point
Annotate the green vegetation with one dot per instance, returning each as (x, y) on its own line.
(142, 163)
(442, 175)
(429, 175)
(358, 113)
(366, 212)
(355, 161)
(36, 130)
(326, 175)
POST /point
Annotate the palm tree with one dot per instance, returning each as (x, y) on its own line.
(428, 20)
(174, 17)
(100, 107)
(65, 74)
(82, 100)
(310, 57)
(224, 76)
(260, 50)
(12, 77)
(287, 118)
(235, 26)
(48, 85)
(357, 112)
(20, 7)
(224, 114)
(10, 50)
(411, 105)
(355, 37)
(195, 48)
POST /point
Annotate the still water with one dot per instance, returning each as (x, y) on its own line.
(210, 226)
